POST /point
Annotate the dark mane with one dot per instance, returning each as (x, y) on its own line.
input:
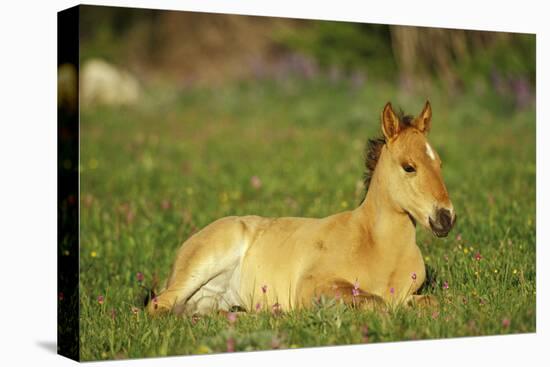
(374, 147)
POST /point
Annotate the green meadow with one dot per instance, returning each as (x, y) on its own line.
(154, 173)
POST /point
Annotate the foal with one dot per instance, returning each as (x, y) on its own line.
(368, 253)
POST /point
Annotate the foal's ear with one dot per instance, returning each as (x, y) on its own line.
(424, 121)
(390, 122)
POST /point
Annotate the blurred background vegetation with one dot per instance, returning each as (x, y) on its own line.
(188, 49)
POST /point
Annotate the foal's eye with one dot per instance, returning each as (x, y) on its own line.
(409, 168)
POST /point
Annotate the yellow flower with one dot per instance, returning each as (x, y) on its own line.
(203, 349)
(476, 273)
(514, 271)
(93, 163)
(496, 271)
(93, 254)
(344, 204)
(466, 251)
(427, 258)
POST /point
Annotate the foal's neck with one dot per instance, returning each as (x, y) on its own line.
(387, 224)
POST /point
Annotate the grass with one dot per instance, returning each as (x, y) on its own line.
(153, 174)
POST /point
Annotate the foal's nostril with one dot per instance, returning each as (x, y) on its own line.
(444, 219)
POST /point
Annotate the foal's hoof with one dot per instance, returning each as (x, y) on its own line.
(423, 301)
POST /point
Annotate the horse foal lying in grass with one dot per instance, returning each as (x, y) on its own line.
(363, 255)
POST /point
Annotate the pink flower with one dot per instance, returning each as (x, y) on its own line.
(230, 344)
(258, 306)
(275, 342)
(140, 277)
(100, 299)
(264, 289)
(478, 256)
(165, 204)
(231, 317)
(413, 276)
(505, 322)
(276, 309)
(355, 290)
(255, 182)
(445, 285)
(392, 290)
(365, 333)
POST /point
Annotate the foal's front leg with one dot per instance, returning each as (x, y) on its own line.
(341, 290)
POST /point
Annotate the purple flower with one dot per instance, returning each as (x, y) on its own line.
(355, 289)
(230, 344)
(365, 333)
(478, 256)
(231, 317)
(392, 290)
(445, 285)
(258, 306)
(276, 309)
(264, 289)
(255, 182)
(140, 277)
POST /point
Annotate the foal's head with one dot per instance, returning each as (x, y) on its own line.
(412, 171)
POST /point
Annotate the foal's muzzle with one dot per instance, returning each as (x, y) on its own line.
(443, 223)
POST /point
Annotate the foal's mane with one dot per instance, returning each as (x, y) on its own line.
(374, 147)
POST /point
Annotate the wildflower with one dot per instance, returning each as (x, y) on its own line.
(230, 344)
(392, 290)
(505, 322)
(427, 258)
(445, 285)
(476, 273)
(100, 299)
(276, 309)
(258, 307)
(231, 317)
(496, 271)
(413, 276)
(515, 271)
(466, 251)
(478, 256)
(355, 289)
(365, 333)
(165, 204)
(255, 182)
(140, 277)
(203, 349)
(264, 289)
(275, 342)
(93, 254)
